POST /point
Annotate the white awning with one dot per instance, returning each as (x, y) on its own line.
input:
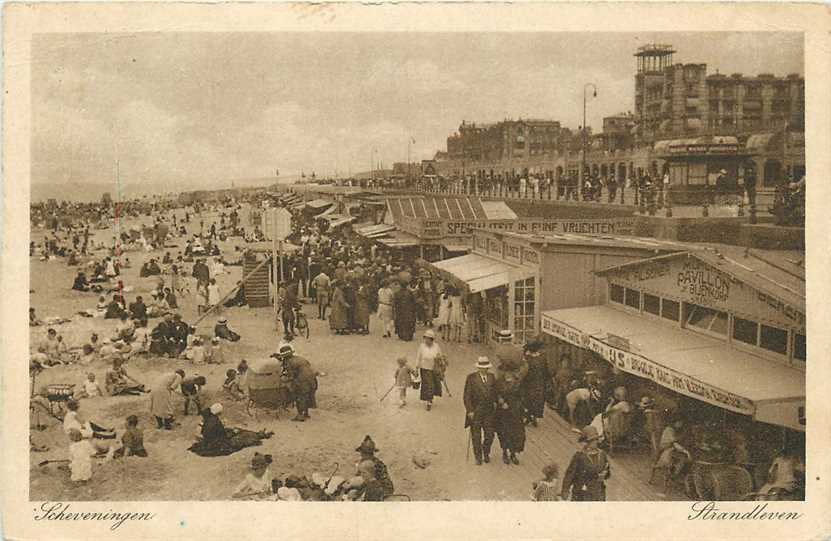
(375, 231)
(398, 239)
(337, 220)
(686, 362)
(481, 273)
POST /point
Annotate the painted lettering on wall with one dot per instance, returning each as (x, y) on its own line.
(513, 252)
(781, 308)
(647, 271)
(530, 256)
(638, 365)
(592, 227)
(703, 284)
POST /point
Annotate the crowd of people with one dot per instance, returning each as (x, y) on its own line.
(348, 280)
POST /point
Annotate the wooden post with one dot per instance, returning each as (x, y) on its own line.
(276, 264)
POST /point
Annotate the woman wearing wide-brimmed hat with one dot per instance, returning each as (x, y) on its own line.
(534, 384)
(510, 428)
(586, 475)
(430, 369)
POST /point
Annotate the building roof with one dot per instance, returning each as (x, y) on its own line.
(611, 241)
(778, 274)
(437, 208)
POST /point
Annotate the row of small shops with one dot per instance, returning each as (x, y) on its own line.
(715, 325)
(696, 326)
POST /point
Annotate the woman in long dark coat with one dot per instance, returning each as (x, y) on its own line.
(510, 429)
(362, 309)
(404, 310)
(534, 384)
(585, 477)
(349, 294)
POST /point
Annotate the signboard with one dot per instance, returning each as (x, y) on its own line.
(277, 223)
(725, 148)
(495, 248)
(442, 229)
(692, 280)
(640, 366)
(512, 252)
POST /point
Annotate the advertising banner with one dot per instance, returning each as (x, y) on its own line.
(640, 366)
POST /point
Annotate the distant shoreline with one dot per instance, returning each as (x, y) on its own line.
(90, 192)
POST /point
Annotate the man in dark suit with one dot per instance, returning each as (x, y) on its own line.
(480, 405)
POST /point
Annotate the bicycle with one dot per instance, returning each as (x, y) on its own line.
(301, 324)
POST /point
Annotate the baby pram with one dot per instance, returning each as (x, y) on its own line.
(268, 385)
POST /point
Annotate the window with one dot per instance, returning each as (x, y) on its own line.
(697, 173)
(633, 298)
(799, 347)
(670, 309)
(706, 319)
(774, 339)
(524, 308)
(651, 304)
(745, 331)
(616, 293)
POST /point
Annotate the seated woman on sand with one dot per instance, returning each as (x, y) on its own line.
(216, 440)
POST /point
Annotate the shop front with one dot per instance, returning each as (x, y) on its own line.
(439, 227)
(501, 280)
(705, 331)
(702, 169)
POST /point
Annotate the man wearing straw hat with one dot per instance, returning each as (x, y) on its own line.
(480, 406)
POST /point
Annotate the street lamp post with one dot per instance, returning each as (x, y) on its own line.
(584, 139)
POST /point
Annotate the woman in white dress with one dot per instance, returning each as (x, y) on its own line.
(444, 314)
(429, 374)
(456, 317)
(385, 295)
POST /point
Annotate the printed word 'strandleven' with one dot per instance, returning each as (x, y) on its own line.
(60, 511)
(709, 511)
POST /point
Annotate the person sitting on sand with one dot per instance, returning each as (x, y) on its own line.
(216, 440)
(118, 382)
(90, 388)
(257, 484)
(80, 283)
(114, 308)
(232, 385)
(102, 439)
(221, 330)
(33, 318)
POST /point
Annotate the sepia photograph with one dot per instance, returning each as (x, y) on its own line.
(287, 265)
(334, 274)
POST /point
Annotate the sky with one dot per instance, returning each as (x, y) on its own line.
(186, 110)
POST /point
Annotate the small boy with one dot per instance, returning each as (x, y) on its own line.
(232, 385)
(90, 388)
(547, 489)
(133, 439)
(403, 379)
(190, 390)
(80, 457)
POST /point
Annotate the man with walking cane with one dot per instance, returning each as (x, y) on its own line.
(480, 406)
